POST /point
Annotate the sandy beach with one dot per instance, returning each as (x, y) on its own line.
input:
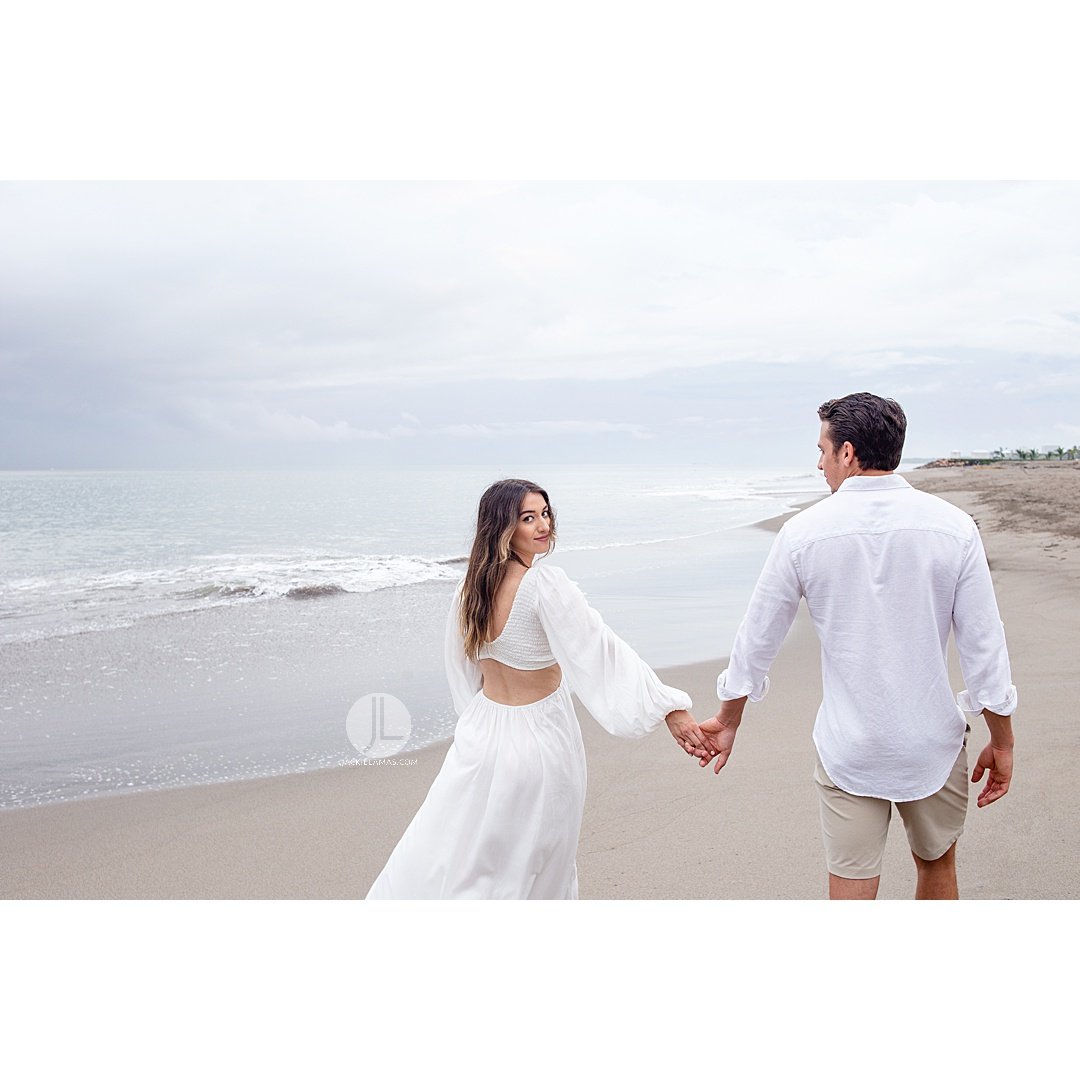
(325, 834)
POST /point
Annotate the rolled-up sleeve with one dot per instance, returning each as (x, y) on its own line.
(768, 618)
(980, 637)
(618, 688)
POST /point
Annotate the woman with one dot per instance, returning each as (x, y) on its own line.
(502, 818)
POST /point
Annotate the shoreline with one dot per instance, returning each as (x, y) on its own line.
(325, 833)
(773, 524)
(255, 691)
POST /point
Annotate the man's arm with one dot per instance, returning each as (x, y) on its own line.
(996, 759)
(768, 619)
(984, 661)
(980, 637)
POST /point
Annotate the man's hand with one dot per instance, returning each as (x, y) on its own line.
(719, 732)
(687, 734)
(997, 761)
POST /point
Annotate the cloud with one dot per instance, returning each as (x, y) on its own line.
(247, 420)
(335, 285)
(341, 315)
(527, 428)
(911, 389)
(890, 360)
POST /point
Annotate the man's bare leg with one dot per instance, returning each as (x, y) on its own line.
(844, 888)
(937, 879)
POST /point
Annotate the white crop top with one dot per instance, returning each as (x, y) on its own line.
(523, 644)
(550, 622)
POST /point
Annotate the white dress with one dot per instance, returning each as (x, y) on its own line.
(502, 818)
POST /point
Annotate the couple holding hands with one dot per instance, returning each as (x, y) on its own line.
(887, 573)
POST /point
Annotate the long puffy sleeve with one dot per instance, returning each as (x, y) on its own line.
(462, 674)
(618, 688)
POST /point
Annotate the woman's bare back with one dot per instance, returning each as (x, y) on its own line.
(508, 685)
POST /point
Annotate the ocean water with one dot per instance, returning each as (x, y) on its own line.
(162, 628)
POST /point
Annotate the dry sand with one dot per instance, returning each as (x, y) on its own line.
(326, 834)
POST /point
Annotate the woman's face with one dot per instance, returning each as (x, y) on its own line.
(533, 533)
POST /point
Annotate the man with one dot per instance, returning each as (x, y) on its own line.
(886, 571)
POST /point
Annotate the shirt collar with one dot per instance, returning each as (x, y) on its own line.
(872, 483)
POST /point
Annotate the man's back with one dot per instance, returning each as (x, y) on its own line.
(887, 571)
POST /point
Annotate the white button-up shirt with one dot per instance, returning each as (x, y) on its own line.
(887, 571)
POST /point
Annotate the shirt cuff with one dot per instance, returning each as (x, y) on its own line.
(672, 701)
(972, 705)
(744, 689)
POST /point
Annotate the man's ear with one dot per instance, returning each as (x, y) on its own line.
(847, 453)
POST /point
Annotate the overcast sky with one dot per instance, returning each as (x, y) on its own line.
(172, 325)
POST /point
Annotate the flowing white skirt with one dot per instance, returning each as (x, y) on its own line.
(502, 819)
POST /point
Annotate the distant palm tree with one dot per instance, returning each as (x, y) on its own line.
(998, 454)
(1021, 454)
(1060, 452)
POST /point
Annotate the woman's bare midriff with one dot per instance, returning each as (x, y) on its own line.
(511, 686)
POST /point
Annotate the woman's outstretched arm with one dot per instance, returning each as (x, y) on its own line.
(618, 688)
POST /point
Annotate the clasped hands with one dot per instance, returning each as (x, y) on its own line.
(711, 741)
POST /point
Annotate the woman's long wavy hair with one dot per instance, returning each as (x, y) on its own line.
(496, 521)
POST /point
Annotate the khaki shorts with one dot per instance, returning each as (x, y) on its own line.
(854, 827)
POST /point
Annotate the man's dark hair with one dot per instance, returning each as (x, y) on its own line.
(875, 426)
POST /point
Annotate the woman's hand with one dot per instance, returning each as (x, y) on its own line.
(686, 733)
